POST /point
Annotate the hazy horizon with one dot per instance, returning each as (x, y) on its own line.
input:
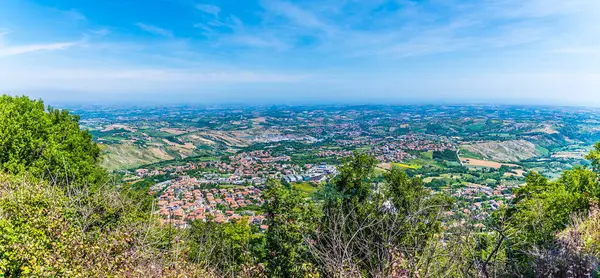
(539, 52)
(274, 103)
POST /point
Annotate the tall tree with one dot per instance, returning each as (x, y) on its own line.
(373, 227)
(291, 220)
(47, 143)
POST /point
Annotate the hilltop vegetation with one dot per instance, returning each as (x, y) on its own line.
(60, 216)
(74, 222)
(45, 142)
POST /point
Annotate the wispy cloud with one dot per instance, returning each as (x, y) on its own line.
(256, 41)
(155, 30)
(297, 15)
(99, 32)
(73, 14)
(232, 23)
(3, 32)
(209, 9)
(13, 50)
(422, 28)
(577, 50)
(23, 49)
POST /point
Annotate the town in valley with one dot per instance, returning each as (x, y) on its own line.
(212, 163)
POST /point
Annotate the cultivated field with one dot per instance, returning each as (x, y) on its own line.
(567, 155)
(492, 164)
(388, 166)
(485, 163)
(117, 127)
(173, 131)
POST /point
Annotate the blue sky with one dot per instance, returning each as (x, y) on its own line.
(376, 51)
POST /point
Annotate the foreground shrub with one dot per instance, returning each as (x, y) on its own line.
(43, 232)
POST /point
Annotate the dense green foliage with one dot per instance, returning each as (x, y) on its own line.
(58, 218)
(449, 155)
(45, 142)
(291, 218)
(379, 223)
(543, 208)
(46, 231)
(228, 248)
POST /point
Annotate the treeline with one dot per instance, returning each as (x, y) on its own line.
(62, 216)
(449, 155)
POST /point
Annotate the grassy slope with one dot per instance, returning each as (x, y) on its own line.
(504, 151)
(464, 153)
(305, 187)
(124, 156)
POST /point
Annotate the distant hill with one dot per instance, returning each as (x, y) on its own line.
(124, 156)
(504, 151)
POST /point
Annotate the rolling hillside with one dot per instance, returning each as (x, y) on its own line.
(503, 151)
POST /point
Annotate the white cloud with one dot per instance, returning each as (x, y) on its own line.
(417, 29)
(420, 30)
(74, 15)
(99, 32)
(297, 15)
(209, 9)
(203, 27)
(155, 30)
(256, 41)
(236, 21)
(23, 49)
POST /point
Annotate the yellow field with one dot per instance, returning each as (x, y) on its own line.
(491, 164)
(388, 166)
(485, 163)
(408, 166)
